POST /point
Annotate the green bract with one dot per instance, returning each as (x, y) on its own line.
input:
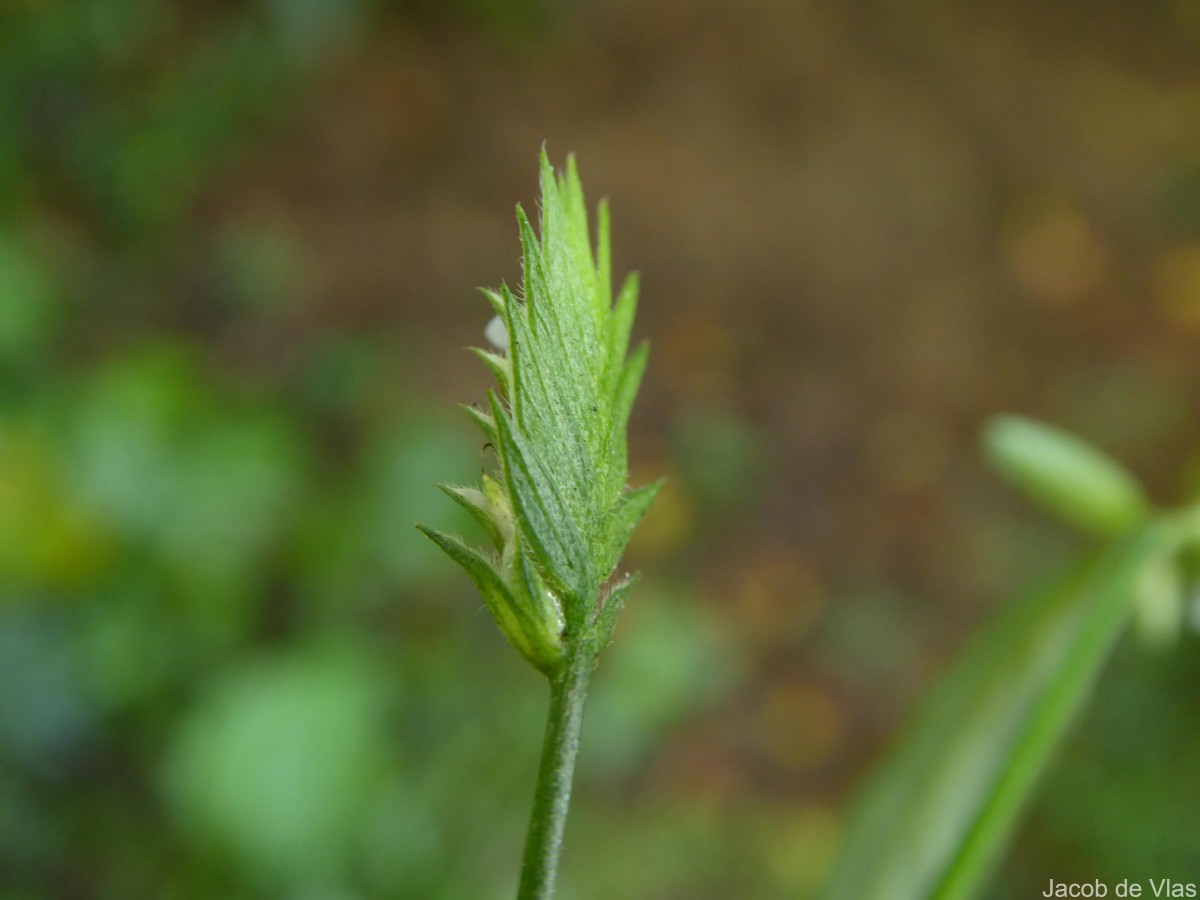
(558, 512)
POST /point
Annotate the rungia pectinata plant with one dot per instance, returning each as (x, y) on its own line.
(557, 510)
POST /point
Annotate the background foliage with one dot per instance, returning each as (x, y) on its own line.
(239, 243)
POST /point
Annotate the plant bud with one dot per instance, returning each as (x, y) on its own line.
(1065, 475)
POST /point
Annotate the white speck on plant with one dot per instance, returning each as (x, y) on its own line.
(496, 333)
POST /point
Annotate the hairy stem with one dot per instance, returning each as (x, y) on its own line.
(543, 843)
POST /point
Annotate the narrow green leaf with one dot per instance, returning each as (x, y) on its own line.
(603, 250)
(626, 393)
(543, 604)
(612, 605)
(559, 388)
(629, 512)
(536, 281)
(476, 503)
(514, 323)
(575, 217)
(537, 641)
(491, 586)
(497, 299)
(634, 505)
(631, 380)
(622, 323)
(499, 366)
(936, 816)
(542, 514)
(485, 422)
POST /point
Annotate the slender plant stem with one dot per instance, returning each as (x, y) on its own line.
(551, 798)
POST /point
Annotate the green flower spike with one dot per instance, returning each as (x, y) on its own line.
(558, 511)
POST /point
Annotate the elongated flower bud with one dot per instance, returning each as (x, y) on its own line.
(558, 511)
(1064, 474)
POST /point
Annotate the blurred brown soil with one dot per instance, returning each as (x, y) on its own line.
(861, 230)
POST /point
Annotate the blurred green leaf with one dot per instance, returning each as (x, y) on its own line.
(671, 660)
(196, 478)
(123, 435)
(261, 265)
(720, 455)
(1064, 474)
(942, 806)
(238, 479)
(45, 718)
(358, 547)
(1147, 771)
(310, 27)
(279, 761)
(130, 644)
(48, 538)
(29, 310)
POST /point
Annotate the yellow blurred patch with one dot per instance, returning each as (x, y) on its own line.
(669, 523)
(798, 725)
(1177, 286)
(779, 596)
(698, 358)
(800, 849)
(1057, 256)
(46, 541)
(908, 450)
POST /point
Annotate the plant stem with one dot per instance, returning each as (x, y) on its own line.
(543, 843)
